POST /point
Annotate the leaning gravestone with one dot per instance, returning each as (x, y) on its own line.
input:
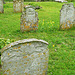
(1, 6)
(18, 5)
(67, 16)
(25, 57)
(29, 19)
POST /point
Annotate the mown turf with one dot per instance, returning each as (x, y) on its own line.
(61, 43)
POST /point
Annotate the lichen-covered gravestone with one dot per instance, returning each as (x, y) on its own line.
(67, 16)
(1, 6)
(25, 57)
(29, 20)
(18, 5)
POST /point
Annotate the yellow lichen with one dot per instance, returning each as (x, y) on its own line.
(25, 73)
(29, 43)
(32, 55)
(25, 57)
(19, 47)
(8, 53)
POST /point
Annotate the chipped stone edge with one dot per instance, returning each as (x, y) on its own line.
(20, 42)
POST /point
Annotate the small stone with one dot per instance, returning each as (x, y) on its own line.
(55, 50)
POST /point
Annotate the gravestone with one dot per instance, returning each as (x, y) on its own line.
(1, 6)
(38, 0)
(29, 19)
(60, 0)
(18, 5)
(25, 57)
(67, 16)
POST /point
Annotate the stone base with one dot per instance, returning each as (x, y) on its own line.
(24, 27)
(65, 26)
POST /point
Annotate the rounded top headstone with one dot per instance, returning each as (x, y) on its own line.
(30, 6)
(22, 41)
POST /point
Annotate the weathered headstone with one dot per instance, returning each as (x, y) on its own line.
(1, 6)
(25, 57)
(29, 19)
(18, 5)
(60, 0)
(38, 0)
(67, 16)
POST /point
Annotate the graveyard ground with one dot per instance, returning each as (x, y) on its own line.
(61, 43)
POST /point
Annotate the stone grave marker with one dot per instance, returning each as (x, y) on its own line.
(67, 16)
(25, 57)
(1, 6)
(18, 5)
(60, 0)
(29, 19)
(38, 0)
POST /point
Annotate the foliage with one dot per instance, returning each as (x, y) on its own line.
(70, 0)
(4, 42)
(61, 43)
(33, 4)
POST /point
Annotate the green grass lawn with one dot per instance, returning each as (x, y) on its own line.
(61, 43)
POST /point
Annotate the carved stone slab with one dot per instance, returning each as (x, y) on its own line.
(67, 16)
(18, 5)
(29, 19)
(1, 6)
(25, 57)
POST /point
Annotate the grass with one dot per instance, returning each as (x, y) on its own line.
(61, 43)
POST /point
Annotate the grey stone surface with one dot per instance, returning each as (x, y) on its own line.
(60, 0)
(29, 19)
(1, 6)
(67, 16)
(25, 57)
(38, 0)
(18, 5)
